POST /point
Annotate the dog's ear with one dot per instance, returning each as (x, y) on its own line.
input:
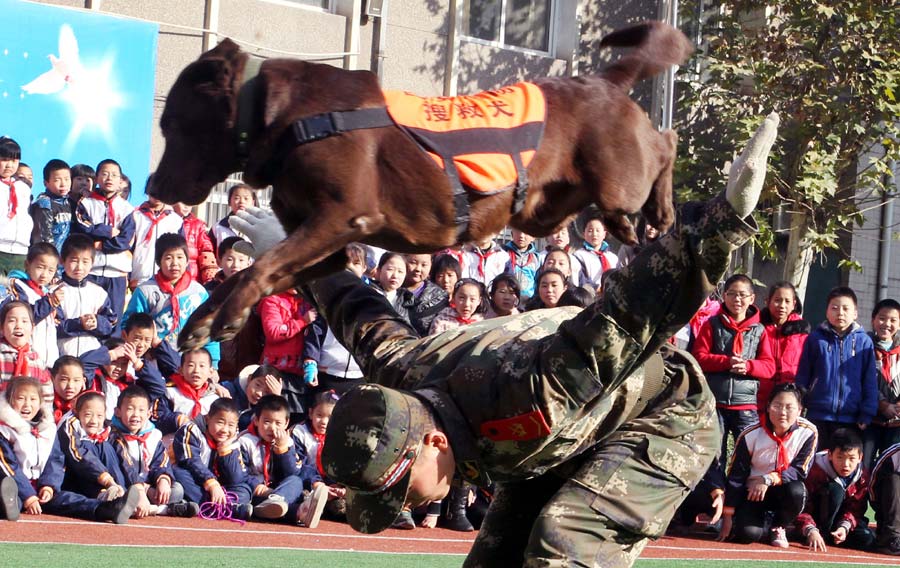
(277, 96)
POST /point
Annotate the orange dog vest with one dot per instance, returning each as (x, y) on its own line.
(484, 141)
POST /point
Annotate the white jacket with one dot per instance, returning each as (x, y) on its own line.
(15, 233)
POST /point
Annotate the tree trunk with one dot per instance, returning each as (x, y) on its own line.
(799, 256)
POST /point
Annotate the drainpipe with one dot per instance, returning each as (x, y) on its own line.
(352, 11)
(451, 65)
(884, 246)
(379, 37)
(210, 22)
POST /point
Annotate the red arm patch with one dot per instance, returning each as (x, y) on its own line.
(516, 429)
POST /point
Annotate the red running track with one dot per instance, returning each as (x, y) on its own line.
(335, 536)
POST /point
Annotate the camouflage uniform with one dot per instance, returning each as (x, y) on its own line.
(593, 441)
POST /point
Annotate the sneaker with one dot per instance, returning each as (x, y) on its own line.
(184, 509)
(9, 495)
(119, 510)
(892, 547)
(241, 511)
(273, 507)
(310, 511)
(779, 538)
(404, 521)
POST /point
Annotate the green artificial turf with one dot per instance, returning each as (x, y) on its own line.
(66, 555)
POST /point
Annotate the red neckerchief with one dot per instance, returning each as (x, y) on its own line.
(60, 407)
(13, 198)
(100, 375)
(36, 287)
(782, 460)
(154, 220)
(101, 437)
(141, 439)
(604, 262)
(166, 287)
(886, 359)
(20, 369)
(189, 391)
(110, 210)
(513, 257)
(464, 321)
(738, 329)
(266, 449)
(215, 449)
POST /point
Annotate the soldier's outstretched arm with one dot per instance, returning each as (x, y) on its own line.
(648, 301)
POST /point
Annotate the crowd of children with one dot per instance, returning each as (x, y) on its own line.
(101, 418)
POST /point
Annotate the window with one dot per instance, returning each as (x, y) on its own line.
(322, 4)
(510, 23)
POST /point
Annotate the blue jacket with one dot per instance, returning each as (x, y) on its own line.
(839, 375)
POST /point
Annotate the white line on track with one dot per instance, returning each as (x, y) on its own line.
(253, 531)
(220, 547)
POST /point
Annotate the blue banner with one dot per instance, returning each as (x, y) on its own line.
(78, 86)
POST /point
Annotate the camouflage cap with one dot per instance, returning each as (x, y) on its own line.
(373, 438)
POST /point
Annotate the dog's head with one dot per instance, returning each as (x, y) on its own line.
(198, 125)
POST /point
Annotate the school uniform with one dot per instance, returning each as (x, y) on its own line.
(200, 465)
(82, 298)
(221, 231)
(96, 216)
(835, 502)
(182, 403)
(30, 454)
(485, 265)
(784, 461)
(15, 222)
(170, 306)
(92, 463)
(52, 216)
(281, 471)
(595, 262)
(47, 313)
(97, 379)
(884, 431)
(148, 226)
(145, 456)
(524, 266)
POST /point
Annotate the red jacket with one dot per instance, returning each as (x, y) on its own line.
(283, 322)
(786, 343)
(197, 236)
(855, 497)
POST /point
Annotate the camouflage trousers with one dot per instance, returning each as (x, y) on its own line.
(601, 508)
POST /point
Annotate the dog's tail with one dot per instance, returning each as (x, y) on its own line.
(657, 46)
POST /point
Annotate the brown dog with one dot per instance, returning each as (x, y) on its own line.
(376, 185)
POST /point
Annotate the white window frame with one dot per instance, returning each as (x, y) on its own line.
(551, 32)
(329, 9)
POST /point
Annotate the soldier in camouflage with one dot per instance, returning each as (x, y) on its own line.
(593, 428)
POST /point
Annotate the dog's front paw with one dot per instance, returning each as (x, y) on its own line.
(234, 312)
(195, 333)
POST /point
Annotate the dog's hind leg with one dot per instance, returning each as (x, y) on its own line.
(659, 209)
(621, 227)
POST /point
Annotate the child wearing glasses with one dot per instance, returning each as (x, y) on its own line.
(734, 353)
(765, 491)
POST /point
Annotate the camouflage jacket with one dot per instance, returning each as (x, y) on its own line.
(521, 394)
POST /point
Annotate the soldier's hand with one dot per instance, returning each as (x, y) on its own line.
(725, 529)
(816, 542)
(261, 226)
(748, 171)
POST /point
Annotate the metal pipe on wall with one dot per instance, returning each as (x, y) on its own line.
(884, 245)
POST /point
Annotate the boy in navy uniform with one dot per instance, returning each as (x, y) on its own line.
(277, 474)
(106, 217)
(208, 460)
